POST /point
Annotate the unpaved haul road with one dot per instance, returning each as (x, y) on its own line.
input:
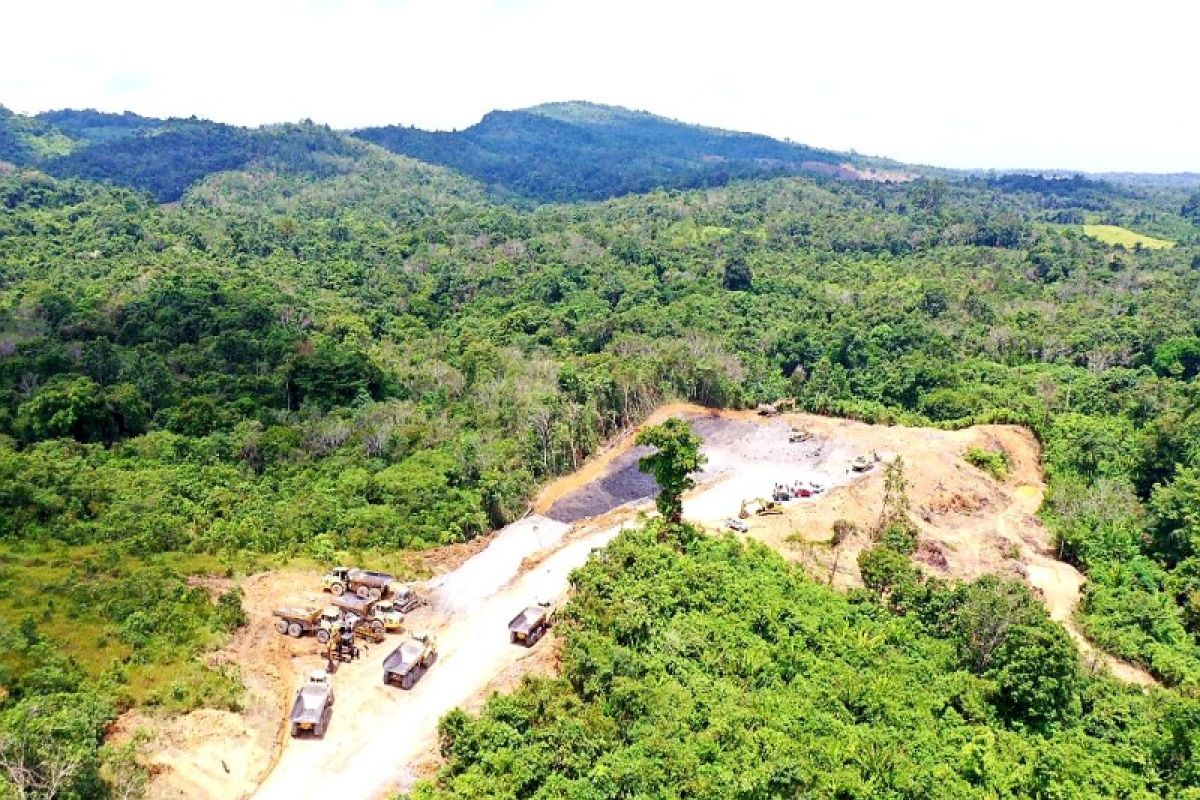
(377, 730)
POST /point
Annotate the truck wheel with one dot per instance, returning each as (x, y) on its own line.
(512, 636)
(281, 626)
(295, 630)
(337, 588)
(375, 593)
(363, 592)
(323, 636)
(408, 680)
(377, 627)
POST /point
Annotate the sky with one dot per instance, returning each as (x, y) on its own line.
(1097, 86)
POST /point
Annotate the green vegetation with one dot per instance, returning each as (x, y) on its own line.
(1116, 235)
(994, 462)
(676, 457)
(700, 667)
(580, 151)
(329, 351)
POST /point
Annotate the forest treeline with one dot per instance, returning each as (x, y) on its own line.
(701, 667)
(331, 352)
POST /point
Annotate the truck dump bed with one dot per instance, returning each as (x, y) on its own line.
(354, 604)
(370, 578)
(527, 620)
(309, 704)
(297, 612)
(402, 659)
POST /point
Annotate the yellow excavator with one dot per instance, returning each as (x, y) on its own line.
(759, 506)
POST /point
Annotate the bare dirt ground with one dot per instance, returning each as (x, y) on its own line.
(382, 738)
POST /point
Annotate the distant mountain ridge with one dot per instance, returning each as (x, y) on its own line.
(585, 151)
(554, 152)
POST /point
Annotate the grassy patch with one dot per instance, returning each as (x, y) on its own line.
(1123, 237)
(994, 462)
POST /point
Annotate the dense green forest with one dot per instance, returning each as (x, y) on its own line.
(698, 667)
(582, 151)
(327, 350)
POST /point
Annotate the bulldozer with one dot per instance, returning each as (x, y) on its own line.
(864, 463)
(760, 506)
(797, 435)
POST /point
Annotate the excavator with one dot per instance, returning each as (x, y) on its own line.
(759, 506)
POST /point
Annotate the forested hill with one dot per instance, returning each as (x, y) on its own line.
(584, 151)
(165, 157)
(553, 152)
(329, 351)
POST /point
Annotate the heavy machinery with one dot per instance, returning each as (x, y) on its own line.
(778, 407)
(295, 621)
(407, 663)
(341, 647)
(389, 613)
(362, 582)
(404, 599)
(313, 706)
(530, 625)
(863, 463)
(372, 630)
(799, 435)
(760, 506)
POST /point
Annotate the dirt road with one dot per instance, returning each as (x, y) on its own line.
(378, 730)
(971, 524)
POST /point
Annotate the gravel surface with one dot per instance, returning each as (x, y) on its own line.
(733, 447)
(622, 483)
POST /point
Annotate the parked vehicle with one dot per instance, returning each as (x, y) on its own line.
(404, 599)
(362, 582)
(295, 621)
(735, 524)
(407, 663)
(530, 625)
(313, 706)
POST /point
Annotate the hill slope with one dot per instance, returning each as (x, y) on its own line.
(583, 151)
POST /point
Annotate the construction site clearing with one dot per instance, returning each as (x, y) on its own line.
(780, 478)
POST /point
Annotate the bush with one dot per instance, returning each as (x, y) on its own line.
(994, 462)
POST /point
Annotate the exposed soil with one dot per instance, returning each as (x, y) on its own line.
(382, 738)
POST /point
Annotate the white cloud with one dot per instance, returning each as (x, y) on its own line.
(1056, 83)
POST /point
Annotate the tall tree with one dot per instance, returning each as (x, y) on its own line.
(676, 457)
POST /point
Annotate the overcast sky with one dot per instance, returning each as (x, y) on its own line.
(1053, 83)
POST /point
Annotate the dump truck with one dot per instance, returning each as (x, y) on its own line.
(295, 621)
(380, 616)
(362, 582)
(407, 663)
(372, 630)
(530, 625)
(390, 614)
(313, 706)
